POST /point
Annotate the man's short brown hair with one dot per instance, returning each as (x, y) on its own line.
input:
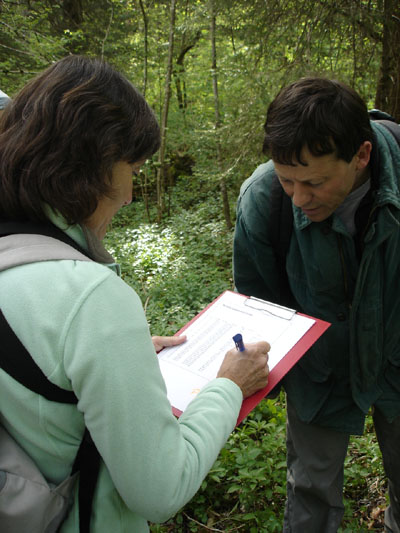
(323, 115)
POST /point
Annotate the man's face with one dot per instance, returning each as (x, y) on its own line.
(321, 186)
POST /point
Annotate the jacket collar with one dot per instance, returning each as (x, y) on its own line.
(82, 235)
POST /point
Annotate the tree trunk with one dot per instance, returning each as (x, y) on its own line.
(222, 182)
(146, 46)
(107, 32)
(388, 89)
(73, 11)
(187, 44)
(143, 181)
(164, 119)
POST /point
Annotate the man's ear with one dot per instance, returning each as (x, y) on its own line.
(363, 155)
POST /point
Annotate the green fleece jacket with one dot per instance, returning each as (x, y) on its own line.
(87, 331)
(356, 363)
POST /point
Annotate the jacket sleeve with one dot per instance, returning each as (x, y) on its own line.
(155, 461)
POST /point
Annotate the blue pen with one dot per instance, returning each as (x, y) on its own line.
(238, 340)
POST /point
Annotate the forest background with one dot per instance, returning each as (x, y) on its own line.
(209, 69)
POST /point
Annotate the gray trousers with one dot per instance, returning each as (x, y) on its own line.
(315, 462)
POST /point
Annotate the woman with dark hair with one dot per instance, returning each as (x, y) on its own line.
(69, 143)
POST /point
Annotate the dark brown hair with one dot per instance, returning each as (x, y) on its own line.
(323, 115)
(62, 134)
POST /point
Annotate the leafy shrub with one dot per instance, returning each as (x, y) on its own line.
(245, 489)
(176, 270)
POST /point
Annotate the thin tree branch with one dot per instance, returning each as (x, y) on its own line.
(107, 32)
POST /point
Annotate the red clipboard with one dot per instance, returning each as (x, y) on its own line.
(280, 369)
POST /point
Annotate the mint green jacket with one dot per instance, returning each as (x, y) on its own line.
(87, 331)
(356, 363)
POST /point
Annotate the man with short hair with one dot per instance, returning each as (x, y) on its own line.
(342, 264)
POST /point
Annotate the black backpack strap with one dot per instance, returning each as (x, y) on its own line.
(393, 127)
(280, 233)
(87, 462)
(376, 115)
(17, 362)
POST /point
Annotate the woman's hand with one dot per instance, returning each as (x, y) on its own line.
(162, 342)
(248, 369)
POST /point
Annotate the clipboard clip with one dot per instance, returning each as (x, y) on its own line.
(272, 309)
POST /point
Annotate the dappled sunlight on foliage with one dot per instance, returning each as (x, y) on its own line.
(149, 252)
(176, 269)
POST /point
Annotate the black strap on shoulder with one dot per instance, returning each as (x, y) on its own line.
(87, 462)
(393, 127)
(17, 362)
(286, 219)
(280, 233)
(376, 115)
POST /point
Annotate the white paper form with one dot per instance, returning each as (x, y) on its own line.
(187, 368)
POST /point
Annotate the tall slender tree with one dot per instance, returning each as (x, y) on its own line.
(222, 182)
(146, 45)
(164, 117)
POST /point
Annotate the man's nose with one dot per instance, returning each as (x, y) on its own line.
(301, 195)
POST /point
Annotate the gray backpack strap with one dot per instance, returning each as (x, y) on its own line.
(20, 249)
